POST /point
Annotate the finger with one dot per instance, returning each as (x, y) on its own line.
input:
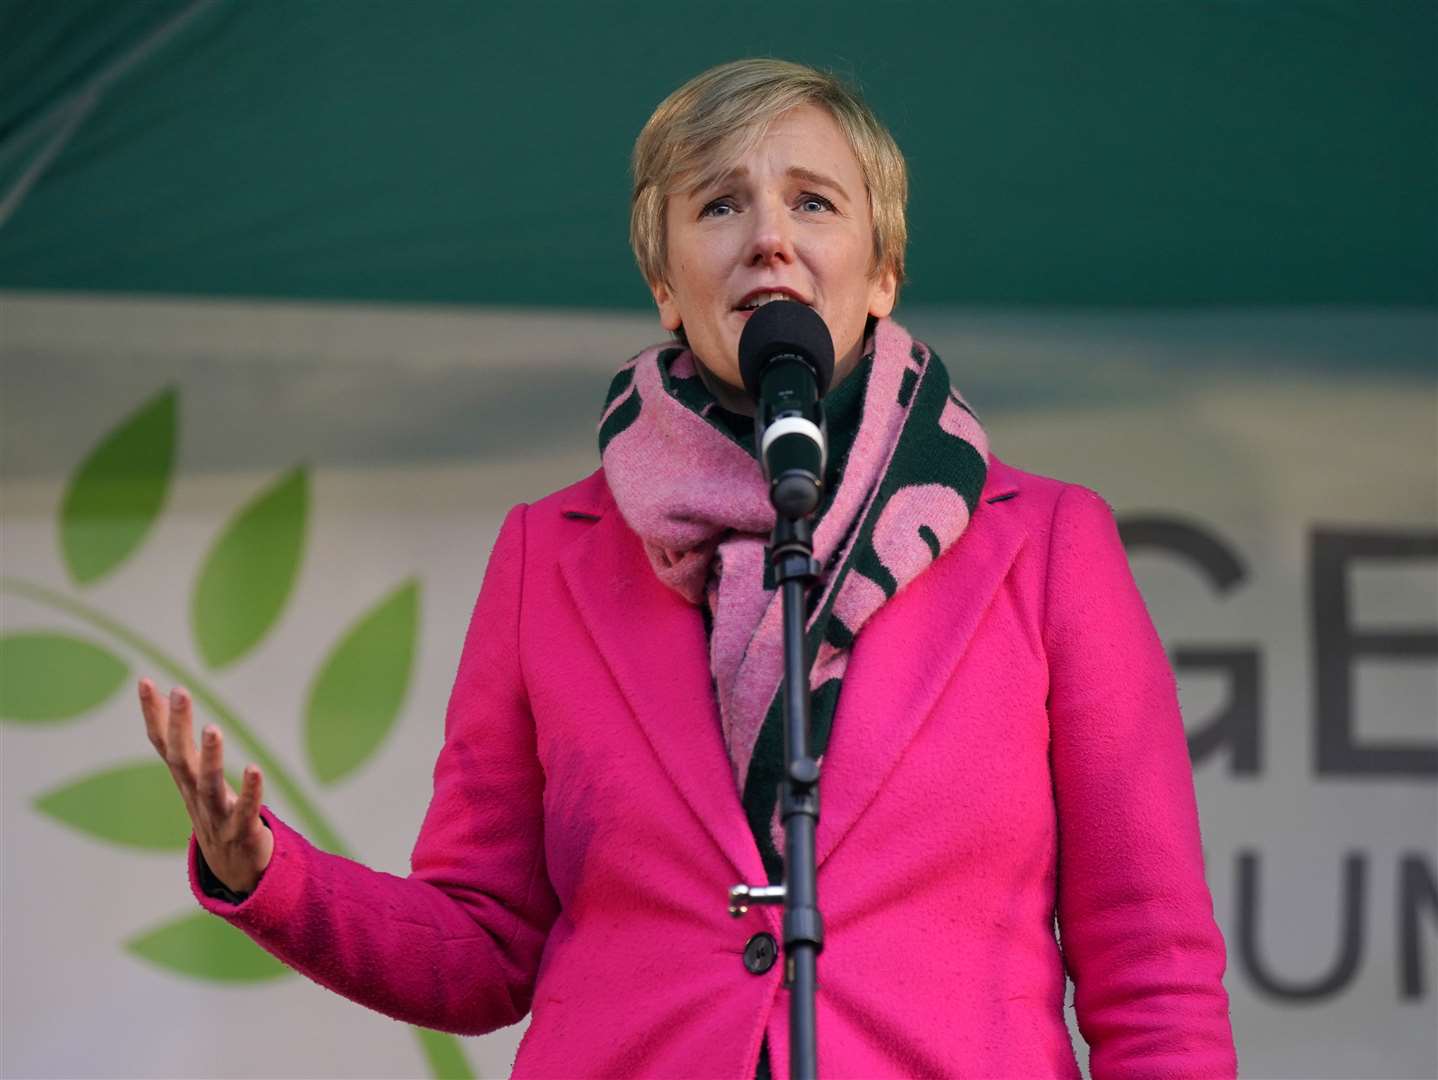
(156, 712)
(212, 787)
(247, 809)
(180, 737)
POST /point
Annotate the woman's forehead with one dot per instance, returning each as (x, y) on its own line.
(818, 151)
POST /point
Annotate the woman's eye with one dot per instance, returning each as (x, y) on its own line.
(718, 208)
(815, 202)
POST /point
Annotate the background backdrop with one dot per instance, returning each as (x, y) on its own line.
(298, 299)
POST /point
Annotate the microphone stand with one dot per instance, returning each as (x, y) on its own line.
(791, 554)
(786, 358)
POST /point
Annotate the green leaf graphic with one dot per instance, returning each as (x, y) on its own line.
(356, 696)
(116, 494)
(46, 677)
(202, 946)
(136, 805)
(248, 574)
(446, 1059)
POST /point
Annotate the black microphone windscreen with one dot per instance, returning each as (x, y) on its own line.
(785, 328)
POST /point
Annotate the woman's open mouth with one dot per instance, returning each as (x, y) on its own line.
(759, 297)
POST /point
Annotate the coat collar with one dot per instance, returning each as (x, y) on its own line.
(659, 659)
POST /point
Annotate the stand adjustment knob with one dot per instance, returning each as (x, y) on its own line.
(741, 896)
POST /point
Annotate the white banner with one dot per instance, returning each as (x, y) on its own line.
(265, 501)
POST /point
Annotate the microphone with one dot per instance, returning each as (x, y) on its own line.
(786, 359)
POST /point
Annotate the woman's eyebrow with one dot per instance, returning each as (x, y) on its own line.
(798, 172)
(741, 172)
(705, 185)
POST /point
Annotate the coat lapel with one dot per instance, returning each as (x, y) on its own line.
(653, 643)
(901, 663)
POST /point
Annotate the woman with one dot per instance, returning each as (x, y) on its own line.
(1001, 740)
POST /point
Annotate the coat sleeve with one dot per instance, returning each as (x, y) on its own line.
(1135, 915)
(456, 944)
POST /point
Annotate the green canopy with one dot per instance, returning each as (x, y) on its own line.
(1117, 152)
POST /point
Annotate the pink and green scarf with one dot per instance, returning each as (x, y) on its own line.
(906, 465)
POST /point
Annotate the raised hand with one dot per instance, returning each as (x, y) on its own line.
(234, 840)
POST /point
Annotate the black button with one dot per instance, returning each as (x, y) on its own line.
(760, 953)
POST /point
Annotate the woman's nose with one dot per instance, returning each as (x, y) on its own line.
(772, 239)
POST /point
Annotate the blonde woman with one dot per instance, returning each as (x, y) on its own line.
(1007, 796)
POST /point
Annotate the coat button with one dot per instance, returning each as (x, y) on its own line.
(760, 953)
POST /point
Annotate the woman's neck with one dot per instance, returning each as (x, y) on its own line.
(729, 397)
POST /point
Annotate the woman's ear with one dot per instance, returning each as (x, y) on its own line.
(883, 292)
(669, 317)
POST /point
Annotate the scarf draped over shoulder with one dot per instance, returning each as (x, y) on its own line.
(906, 466)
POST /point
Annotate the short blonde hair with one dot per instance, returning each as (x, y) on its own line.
(702, 129)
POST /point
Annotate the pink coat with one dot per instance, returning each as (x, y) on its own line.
(1007, 751)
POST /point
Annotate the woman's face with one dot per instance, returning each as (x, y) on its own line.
(792, 218)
